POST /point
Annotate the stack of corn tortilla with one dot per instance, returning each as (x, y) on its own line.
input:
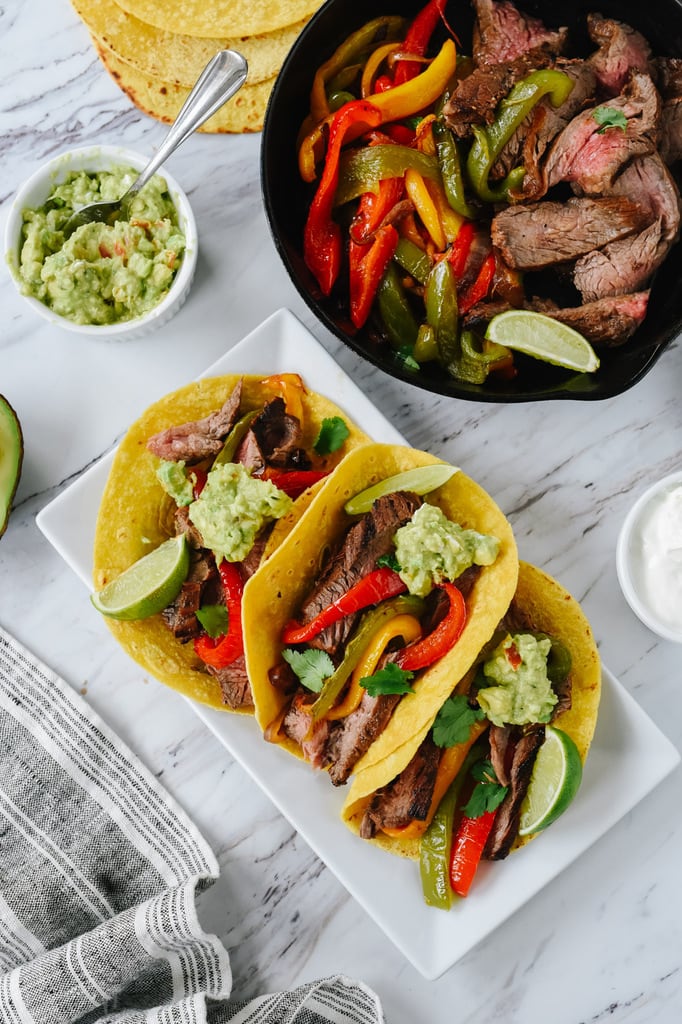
(156, 49)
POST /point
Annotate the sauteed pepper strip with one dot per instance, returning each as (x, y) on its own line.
(417, 39)
(378, 585)
(468, 844)
(367, 266)
(223, 650)
(295, 481)
(446, 634)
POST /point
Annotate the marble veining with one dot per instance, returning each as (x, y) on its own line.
(604, 941)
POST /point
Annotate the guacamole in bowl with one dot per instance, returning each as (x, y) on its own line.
(101, 279)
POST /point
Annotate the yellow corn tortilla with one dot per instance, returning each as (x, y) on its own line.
(176, 58)
(136, 515)
(245, 112)
(286, 578)
(222, 17)
(552, 610)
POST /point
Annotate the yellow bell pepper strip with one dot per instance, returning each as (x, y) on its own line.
(425, 207)
(397, 316)
(374, 62)
(322, 238)
(361, 170)
(440, 300)
(451, 170)
(393, 105)
(450, 220)
(374, 33)
(413, 259)
(434, 854)
(511, 112)
(449, 766)
(356, 646)
(406, 626)
(367, 265)
(417, 39)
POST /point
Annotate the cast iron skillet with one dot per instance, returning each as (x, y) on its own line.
(287, 199)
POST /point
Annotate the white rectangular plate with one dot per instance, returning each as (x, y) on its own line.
(628, 758)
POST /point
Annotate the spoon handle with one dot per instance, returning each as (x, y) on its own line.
(221, 78)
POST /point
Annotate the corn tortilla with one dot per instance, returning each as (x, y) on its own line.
(289, 574)
(222, 17)
(554, 611)
(245, 112)
(179, 59)
(136, 516)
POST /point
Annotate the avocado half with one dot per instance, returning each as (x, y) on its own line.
(11, 458)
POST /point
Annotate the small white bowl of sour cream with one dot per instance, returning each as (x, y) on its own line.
(649, 557)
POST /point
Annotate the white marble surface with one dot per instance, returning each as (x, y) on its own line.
(602, 943)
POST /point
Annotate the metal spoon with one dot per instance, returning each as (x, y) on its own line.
(221, 78)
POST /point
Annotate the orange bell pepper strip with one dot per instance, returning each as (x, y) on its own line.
(291, 388)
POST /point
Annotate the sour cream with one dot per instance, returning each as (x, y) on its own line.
(655, 552)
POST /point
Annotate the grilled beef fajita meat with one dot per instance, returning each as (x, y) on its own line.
(273, 439)
(234, 684)
(622, 267)
(608, 321)
(406, 798)
(621, 50)
(191, 442)
(352, 736)
(506, 824)
(668, 76)
(502, 33)
(202, 586)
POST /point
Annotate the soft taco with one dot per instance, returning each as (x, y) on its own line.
(229, 462)
(463, 777)
(372, 615)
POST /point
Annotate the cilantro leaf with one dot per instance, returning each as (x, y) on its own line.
(333, 433)
(312, 667)
(483, 771)
(486, 796)
(214, 619)
(454, 720)
(389, 561)
(390, 679)
(609, 117)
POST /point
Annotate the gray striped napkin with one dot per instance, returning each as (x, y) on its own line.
(99, 870)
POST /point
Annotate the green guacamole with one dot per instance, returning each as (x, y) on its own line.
(232, 508)
(431, 548)
(101, 274)
(523, 693)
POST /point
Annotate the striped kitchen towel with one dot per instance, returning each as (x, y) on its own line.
(99, 871)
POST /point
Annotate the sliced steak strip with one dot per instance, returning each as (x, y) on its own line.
(669, 81)
(608, 321)
(365, 542)
(506, 824)
(502, 33)
(234, 684)
(255, 555)
(500, 737)
(274, 439)
(475, 98)
(621, 268)
(191, 442)
(408, 797)
(183, 524)
(621, 50)
(590, 157)
(351, 737)
(202, 580)
(539, 235)
(648, 181)
(296, 725)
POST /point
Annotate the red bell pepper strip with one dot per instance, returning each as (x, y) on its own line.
(296, 481)
(401, 134)
(223, 650)
(417, 39)
(467, 848)
(446, 634)
(200, 478)
(461, 247)
(378, 585)
(481, 286)
(322, 237)
(367, 267)
(373, 207)
(383, 83)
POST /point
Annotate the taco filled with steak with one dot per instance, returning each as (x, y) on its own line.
(227, 463)
(475, 782)
(394, 578)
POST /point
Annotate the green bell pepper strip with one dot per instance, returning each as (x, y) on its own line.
(511, 112)
(451, 170)
(440, 300)
(338, 98)
(362, 169)
(436, 843)
(235, 437)
(355, 648)
(396, 314)
(413, 259)
(425, 347)
(474, 363)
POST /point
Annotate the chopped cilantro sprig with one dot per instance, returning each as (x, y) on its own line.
(454, 720)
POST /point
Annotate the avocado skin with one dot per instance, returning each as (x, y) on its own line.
(11, 459)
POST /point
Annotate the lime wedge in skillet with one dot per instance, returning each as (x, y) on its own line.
(555, 780)
(148, 585)
(420, 480)
(544, 338)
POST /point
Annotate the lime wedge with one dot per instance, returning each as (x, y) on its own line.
(420, 480)
(148, 585)
(555, 780)
(543, 338)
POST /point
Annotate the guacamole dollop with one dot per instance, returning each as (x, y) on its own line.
(232, 507)
(101, 273)
(175, 482)
(523, 693)
(431, 548)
